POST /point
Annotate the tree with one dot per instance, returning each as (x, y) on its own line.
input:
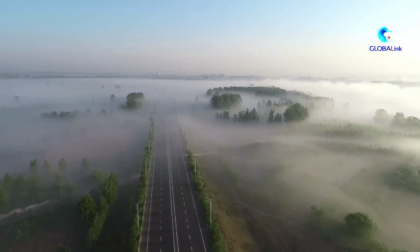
(278, 118)
(100, 177)
(59, 180)
(34, 168)
(359, 224)
(87, 208)
(7, 179)
(112, 97)
(226, 115)
(47, 167)
(381, 116)
(271, 117)
(85, 165)
(399, 119)
(296, 112)
(63, 248)
(62, 165)
(246, 116)
(225, 100)
(134, 100)
(110, 189)
(413, 122)
(269, 103)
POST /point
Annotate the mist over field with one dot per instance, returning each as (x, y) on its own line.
(339, 159)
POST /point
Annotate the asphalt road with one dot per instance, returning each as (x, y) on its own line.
(173, 218)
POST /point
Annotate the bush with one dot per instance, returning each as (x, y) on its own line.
(360, 224)
(296, 112)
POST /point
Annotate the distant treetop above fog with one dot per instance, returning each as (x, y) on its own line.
(134, 100)
(265, 91)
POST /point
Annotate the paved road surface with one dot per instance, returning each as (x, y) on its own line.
(173, 218)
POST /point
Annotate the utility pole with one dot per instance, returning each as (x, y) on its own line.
(137, 208)
(210, 200)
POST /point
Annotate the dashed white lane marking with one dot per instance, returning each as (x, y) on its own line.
(184, 203)
(161, 238)
(182, 193)
(185, 212)
(188, 226)
(160, 212)
(191, 249)
(186, 220)
(160, 205)
(189, 236)
(161, 222)
(160, 228)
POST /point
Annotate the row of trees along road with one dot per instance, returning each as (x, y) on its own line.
(135, 231)
(295, 112)
(218, 240)
(16, 192)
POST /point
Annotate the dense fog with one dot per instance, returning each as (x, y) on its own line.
(338, 159)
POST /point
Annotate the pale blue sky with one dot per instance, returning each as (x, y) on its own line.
(238, 37)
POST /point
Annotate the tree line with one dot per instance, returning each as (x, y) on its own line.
(69, 114)
(19, 191)
(61, 115)
(135, 230)
(267, 91)
(399, 119)
(217, 237)
(283, 102)
(225, 100)
(295, 112)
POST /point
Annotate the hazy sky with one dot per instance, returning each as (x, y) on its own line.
(275, 38)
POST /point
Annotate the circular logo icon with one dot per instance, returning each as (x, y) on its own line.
(385, 34)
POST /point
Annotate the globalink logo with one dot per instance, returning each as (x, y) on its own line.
(385, 35)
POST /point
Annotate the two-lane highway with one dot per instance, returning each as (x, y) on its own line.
(173, 220)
